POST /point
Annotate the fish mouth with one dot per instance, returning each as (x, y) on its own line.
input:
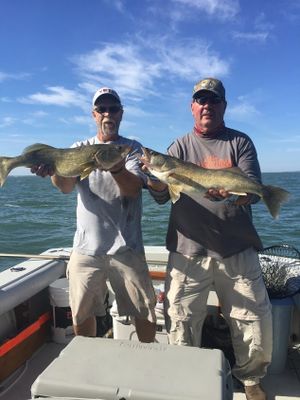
(146, 153)
(146, 157)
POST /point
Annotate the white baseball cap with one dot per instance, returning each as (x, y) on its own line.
(105, 90)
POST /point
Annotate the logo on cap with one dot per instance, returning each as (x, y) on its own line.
(212, 85)
(105, 90)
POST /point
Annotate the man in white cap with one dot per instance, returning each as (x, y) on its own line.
(214, 242)
(108, 241)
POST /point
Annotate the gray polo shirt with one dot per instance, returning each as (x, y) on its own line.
(107, 222)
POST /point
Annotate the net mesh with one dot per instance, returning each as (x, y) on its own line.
(281, 270)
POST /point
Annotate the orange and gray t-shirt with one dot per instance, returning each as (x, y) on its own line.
(199, 226)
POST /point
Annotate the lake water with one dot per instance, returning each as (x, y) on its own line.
(34, 216)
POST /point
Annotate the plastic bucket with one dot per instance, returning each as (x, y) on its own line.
(62, 328)
(282, 315)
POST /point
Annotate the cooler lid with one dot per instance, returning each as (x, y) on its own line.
(110, 369)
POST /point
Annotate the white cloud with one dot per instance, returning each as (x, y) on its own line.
(290, 139)
(291, 10)
(261, 23)
(251, 36)
(118, 4)
(7, 121)
(39, 114)
(57, 96)
(136, 111)
(222, 9)
(242, 111)
(261, 30)
(117, 65)
(137, 69)
(8, 76)
(148, 67)
(191, 59)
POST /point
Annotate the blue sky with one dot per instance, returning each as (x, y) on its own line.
(55, 54)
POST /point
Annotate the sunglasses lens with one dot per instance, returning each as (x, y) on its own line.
(111, 109)
(208, 99)
(115, 109)
(216, 100)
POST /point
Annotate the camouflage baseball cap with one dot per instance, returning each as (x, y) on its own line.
(105, 90)
(211, 85)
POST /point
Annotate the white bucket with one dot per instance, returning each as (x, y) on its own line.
(59, 293)
(62, 328)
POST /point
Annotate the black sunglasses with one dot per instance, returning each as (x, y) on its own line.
(109, 109)
(208, 99)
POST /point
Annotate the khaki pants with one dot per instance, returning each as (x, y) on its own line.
(130, 280)
(244, 301)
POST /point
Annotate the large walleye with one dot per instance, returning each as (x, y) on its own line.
(70, 162)
(186, 177)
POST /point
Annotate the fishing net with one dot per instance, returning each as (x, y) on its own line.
(281, 270)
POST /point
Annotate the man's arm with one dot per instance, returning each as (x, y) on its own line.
(127, 173)
(158, 190)
(129, 183)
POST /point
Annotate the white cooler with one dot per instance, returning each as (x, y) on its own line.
(107, 369)
(124, 328)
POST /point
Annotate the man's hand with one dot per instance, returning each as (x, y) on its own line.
(156, 185)
(222, 194)
(42, 170)
(217, 194)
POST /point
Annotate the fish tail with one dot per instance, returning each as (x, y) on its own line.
(5, 168)
(273, 197)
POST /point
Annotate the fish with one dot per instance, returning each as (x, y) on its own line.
(69, 162)
(186, 177)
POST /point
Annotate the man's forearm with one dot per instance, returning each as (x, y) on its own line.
(129, 183)
(159, 191)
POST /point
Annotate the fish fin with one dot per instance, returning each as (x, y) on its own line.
(273, 197)
(5, 168)
(162, 176)
(36, 146)
(85, 173)
(174, 193)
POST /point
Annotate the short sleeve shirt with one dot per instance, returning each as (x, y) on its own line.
(108, 222)
(199, 226)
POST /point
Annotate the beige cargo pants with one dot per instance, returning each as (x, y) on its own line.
(244, 301)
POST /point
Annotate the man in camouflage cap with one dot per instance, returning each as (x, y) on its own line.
(212, 85)
(213, 242)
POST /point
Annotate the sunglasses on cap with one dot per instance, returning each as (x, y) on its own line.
(208, 99)
(109, 109)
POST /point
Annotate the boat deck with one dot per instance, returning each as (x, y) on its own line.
(285, 386)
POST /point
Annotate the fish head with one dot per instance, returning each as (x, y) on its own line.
(155, 161)
(110, 154)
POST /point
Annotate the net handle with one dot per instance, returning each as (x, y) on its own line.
(282, 250)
